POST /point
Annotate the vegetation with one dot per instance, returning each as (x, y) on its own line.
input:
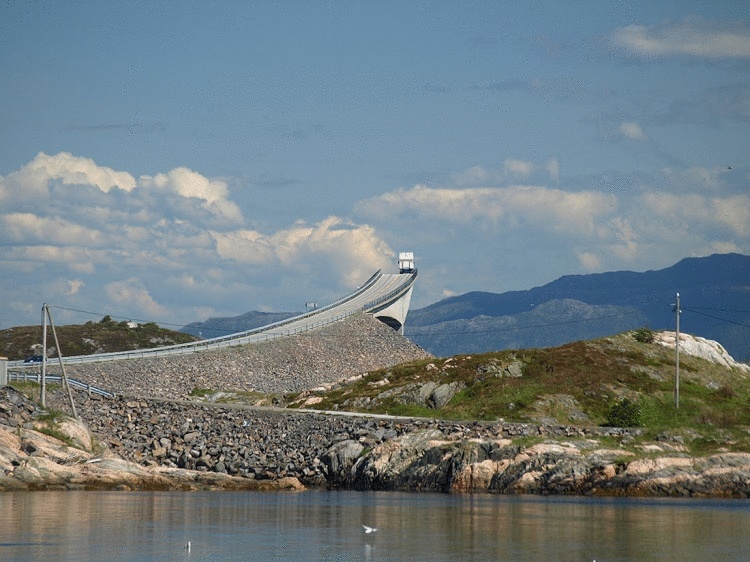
(104, 336)
(625, 413)
(622, 381)
(643, 335)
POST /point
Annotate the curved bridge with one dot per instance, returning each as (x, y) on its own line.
(385, 295)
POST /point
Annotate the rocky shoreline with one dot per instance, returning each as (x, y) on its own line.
(151, 444)
(155, 435)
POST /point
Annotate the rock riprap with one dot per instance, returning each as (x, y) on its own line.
(355, 345)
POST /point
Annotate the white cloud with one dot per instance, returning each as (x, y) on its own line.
(553, 168)
(625, 244)
(695, 212)
(476, 175)
(548, 208)
(123, 245)
(190, 184)
(34, 178)
(350, 250)
(244, 246)
(589, 261)
(163, 250)
(734, 212)
(696, 176)
(81, 260)
(631, 130)
(128, 294)
(692, 36)
(518, 168)
(74, 286)
(30, 228)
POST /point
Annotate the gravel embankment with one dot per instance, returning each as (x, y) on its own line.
(356, 345)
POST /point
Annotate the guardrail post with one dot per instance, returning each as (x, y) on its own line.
(3, 371)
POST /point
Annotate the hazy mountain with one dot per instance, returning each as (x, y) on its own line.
(215, 327)
(714, 293)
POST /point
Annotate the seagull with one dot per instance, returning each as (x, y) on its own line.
(187, 546)
(369, 530)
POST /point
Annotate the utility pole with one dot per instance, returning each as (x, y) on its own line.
(43, 381)
(65, 383)
(677, 354)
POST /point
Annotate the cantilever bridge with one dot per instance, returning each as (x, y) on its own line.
(385, 295)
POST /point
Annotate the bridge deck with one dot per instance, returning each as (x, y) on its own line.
(379, 290)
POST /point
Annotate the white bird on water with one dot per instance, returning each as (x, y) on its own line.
(187, 547)
(369, 530)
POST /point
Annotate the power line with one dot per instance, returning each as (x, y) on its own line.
(715, 309)
(717, 317)
(100, 314)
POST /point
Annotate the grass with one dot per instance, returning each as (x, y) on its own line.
(55, 433)
(92, 337)
(713, 414)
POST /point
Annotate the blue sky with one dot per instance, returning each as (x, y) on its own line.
(172, 161)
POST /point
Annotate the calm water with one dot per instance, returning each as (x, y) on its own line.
(323, 525)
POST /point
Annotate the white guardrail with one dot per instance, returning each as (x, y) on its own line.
(25, 376)
(379, 289)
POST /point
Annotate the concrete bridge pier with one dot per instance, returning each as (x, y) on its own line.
(393, 313)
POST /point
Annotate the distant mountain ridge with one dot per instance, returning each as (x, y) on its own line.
(714, 292)
(222, 326)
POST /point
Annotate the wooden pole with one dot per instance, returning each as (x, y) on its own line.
(62, 366)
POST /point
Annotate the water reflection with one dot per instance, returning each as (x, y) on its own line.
(328, 526)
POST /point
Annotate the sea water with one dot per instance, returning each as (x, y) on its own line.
(326, 525)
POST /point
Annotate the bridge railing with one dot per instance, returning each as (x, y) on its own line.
(392, 294)
(36, 377)
(262, 333)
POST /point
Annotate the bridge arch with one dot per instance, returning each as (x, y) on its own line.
(392, 322)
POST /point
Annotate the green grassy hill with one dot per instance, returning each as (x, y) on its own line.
(617, 381)
(104, 336)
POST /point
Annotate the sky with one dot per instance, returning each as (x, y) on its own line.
(175, 161)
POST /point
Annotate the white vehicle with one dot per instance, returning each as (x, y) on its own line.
(406, 262)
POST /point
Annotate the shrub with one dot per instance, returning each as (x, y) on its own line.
(643, 335)
(624, 413)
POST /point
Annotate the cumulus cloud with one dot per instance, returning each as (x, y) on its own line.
(244, 246)
(180, 189)
(30, 228)
(549, 208)
(176, 245)
(34, 178)
(349, 249)
(138, 245)
(693, 36)
(128, 294)
(189, 184)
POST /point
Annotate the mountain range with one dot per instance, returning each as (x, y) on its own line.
(714, 298)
